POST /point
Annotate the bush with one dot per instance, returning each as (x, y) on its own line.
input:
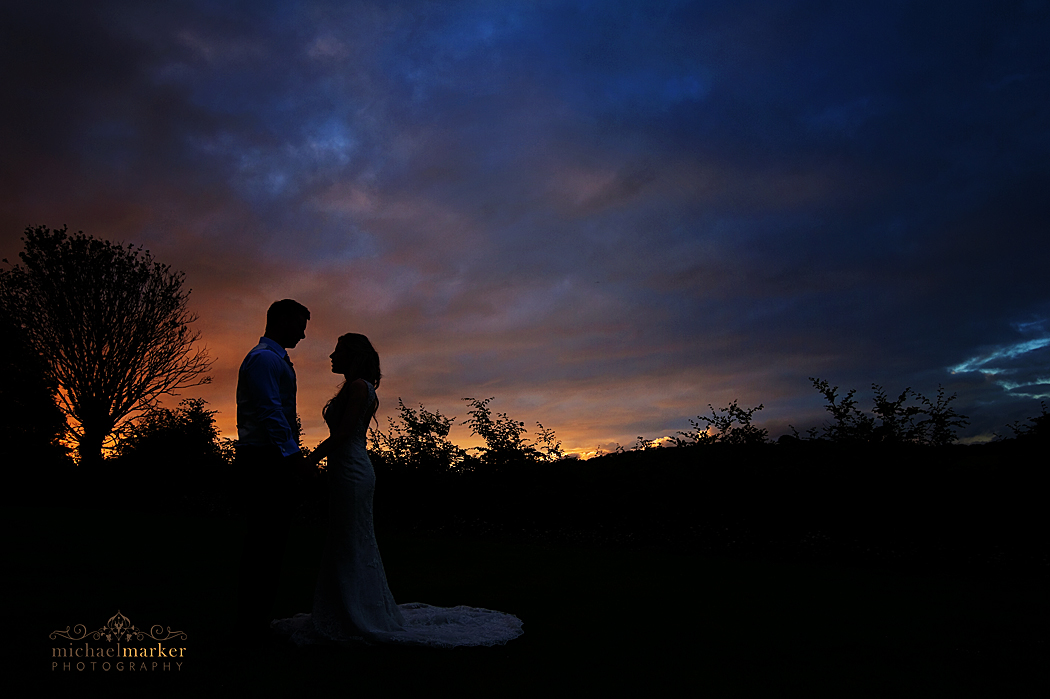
(179, 454)
(1038, 431)
(417, 442)
(505, 447)
(891, 421)
(724, 430)
(31, 423)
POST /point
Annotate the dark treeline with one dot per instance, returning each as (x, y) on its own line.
(892, 505)
(865, 488)
(886, 487)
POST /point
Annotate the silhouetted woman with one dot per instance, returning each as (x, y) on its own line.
(352, 600)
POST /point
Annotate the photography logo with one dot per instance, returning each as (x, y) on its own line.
(119, 646)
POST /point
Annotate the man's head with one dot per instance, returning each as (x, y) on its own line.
(286, 322)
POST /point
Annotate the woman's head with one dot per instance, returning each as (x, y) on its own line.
(355, 358)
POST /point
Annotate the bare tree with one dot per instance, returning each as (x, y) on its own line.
(111, 326)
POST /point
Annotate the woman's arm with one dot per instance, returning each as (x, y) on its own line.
(356, 405)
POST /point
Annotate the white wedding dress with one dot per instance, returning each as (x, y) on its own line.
(352, 601)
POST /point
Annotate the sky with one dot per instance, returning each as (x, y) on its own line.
(607, 215)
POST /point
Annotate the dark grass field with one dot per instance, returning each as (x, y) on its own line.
(631, 620)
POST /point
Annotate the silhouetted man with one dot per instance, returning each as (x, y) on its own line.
(269, 462)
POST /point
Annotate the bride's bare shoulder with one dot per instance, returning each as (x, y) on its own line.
(357, 387)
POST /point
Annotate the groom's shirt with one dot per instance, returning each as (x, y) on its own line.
(266, 398)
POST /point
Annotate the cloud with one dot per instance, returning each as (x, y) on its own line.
(1021, 368)
(608, 215)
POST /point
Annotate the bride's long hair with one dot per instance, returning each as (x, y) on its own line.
(363, 364)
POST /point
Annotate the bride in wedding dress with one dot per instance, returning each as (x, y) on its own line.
(352, 601)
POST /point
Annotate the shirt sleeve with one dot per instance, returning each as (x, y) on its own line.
(263, 371)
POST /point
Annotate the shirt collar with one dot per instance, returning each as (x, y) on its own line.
(274, 346)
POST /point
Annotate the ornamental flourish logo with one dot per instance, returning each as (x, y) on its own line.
(117, 653)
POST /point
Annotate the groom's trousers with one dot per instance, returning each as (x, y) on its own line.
(268, 493)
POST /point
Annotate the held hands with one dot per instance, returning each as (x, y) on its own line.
(303, 466)
(312, 460)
